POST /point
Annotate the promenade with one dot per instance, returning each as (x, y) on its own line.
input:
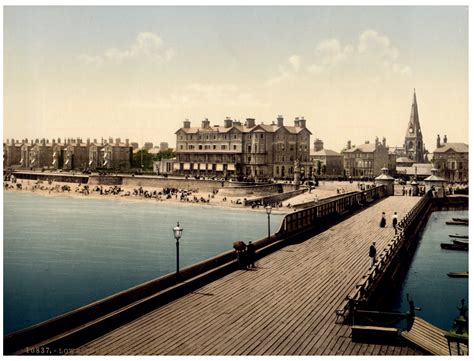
(284, 307)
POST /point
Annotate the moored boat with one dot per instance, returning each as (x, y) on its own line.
(461, 220)
(454, 247)
(458, 236)
(457, 223)
(458, 274)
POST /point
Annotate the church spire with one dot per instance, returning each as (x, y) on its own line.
(414, 139)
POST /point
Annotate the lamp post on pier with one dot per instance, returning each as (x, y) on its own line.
(178, 232)
(268, 209)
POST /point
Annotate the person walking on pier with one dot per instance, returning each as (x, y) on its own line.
(383, 221)
(251, 255)
(395, 221)
(372, 254)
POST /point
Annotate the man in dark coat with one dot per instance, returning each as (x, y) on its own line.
(251, 254)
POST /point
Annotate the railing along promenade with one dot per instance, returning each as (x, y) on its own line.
(91, 321)
(406, 232)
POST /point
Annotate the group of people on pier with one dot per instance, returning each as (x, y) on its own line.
(245, 254)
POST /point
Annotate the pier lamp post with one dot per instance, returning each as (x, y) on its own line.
(178, 232)
(268, 209)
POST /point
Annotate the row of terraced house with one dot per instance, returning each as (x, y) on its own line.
(70, 154)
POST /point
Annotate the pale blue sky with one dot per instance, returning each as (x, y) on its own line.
(350, 70)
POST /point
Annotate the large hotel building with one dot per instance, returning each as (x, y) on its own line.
(259, 151)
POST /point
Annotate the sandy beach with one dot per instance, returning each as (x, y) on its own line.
(160, 195)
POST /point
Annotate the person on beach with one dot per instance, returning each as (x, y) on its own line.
(395, 221)
(251, 255)
(383, 221)
(372, 254)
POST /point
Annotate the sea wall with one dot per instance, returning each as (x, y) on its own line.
(250, 190)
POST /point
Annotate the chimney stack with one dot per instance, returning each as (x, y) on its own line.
(318, 145)
(111, 140)
(438, 141)
(205, 123)
(186, 124)
(280, 120)
(250, 122)
(127, 142)
(384, 142)
(117, 141)
(297, 122)
(227, 122)
(348, 144)
(88, 141)
(53, 141)
(236, 122)
(302, 122)
(445, 139)
(376, 141)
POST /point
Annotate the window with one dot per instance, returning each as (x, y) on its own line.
(223, 147)
(235, 136)
(261, 136)
(200, 147)
(214, 146)
(235, 147)
(249, 148)
(181, 146)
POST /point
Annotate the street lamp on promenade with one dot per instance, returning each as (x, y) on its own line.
(268, 209)
(178, 232)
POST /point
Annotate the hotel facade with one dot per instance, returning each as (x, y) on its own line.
(249, 150)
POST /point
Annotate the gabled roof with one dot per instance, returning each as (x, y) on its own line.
(405, 160)
(268, 128)
(457, 147)
(324, 152)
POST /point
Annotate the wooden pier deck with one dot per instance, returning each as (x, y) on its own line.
(284, 307)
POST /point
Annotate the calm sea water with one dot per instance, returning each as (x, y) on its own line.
(427, 281)
(62, 253)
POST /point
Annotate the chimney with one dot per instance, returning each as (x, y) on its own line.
(78, 141)
(32, 142)
(117, 141)
(111, 140)
(280, 120)
(445, 139)
(438, 141)
(297, 122)
(53, 141)
(36, 140)
(102, 141)
(250, 122)
(95, 140)
(43, 141)
(318, 145)
(88, 141)
(236, 122)
(367, 142)
(302, 122)
(205, 123)
(376, 141)
(186, 124)
(12, 141)
(227, 122)
(127, 142)
(384, 142)
(59, 140)
(26, 140)
(348, 144)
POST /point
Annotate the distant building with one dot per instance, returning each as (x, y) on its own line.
(73, 154)
(164, 146)
(326, 161)
(148, 145)
(260, 151)
(134, 145)
(11, 153)
(367, 160)
(419, 170)
(452, 160)
(164, 166)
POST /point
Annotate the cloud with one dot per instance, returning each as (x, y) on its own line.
(371, 54)
(287, 71)
(146, 45)
(371, 51)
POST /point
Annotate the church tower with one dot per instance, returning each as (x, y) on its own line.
(414, 148)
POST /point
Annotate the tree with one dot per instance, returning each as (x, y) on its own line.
(165, 154)
(142, 158)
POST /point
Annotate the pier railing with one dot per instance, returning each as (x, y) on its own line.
(372, 279)
(329, 207)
